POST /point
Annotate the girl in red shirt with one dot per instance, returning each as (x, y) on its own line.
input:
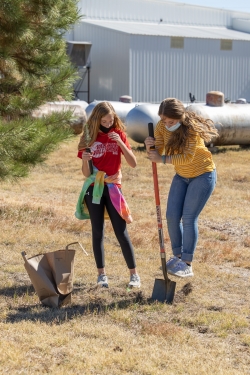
(105, 135)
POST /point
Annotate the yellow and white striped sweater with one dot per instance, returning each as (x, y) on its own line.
(194, 161)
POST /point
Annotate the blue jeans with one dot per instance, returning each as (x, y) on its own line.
(187, 197)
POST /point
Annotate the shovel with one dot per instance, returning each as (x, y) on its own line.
(163, 289)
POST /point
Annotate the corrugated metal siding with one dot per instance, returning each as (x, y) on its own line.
(156, 29)
(157, 71)
(154, 10)
(126, 60)
(109, 74)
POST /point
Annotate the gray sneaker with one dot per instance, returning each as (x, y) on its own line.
(181, 269)
(102, 280)
(135, 281)
(171, 262)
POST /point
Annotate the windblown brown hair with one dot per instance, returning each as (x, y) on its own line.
(190, 123)
(91, 129)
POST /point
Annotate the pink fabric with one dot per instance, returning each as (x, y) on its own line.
(119, 203)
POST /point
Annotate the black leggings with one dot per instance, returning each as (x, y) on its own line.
(96, 212)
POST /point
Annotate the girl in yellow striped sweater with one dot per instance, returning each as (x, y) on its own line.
(179, 140)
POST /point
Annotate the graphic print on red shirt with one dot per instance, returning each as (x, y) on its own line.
(107, 153)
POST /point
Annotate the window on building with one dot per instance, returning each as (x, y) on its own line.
(226, 45)
(177, 42)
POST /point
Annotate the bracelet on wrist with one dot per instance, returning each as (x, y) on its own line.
(163, 158)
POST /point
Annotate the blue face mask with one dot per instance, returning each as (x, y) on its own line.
(174, 127)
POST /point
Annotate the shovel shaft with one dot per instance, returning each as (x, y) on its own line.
(164, 290)
(158, 211)
(157, 197)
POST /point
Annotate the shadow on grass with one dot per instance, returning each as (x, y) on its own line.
(225, 149)
(17, 291)
(85, 301)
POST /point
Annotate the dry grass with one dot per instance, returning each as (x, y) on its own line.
(113, 331)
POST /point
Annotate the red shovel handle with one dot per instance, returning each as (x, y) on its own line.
(157, 195)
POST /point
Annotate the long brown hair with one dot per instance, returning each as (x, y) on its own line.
(190, 123)
(92, 127)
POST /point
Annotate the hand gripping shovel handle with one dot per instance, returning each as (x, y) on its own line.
(164, 290)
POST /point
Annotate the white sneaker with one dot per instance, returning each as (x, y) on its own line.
(181, 269)
(135, 281)
(102, 280)
(171, 262)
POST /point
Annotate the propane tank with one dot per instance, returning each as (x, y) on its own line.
(80, 103)
(138, 118)
(121, 108)
(231, 120)
(78, 119)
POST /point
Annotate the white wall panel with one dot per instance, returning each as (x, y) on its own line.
(109, 73)
(157, 71)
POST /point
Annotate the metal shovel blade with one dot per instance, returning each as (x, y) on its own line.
(163, 290)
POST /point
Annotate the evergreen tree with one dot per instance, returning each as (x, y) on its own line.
(34, 69)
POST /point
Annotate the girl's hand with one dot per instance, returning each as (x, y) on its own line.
(86, 156)
(149, 142)
(127, 153)
(115, 137)
(154, 156)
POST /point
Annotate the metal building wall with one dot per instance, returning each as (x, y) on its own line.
(158, 71)
(154, 10)
(241, 24)
(109, 73)
(145, 67)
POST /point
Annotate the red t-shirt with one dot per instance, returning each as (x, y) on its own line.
(107, 153)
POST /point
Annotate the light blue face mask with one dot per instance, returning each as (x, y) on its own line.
(174, 127)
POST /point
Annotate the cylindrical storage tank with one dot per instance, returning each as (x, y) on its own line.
(231, 120)
(80, 103)
(120, 108)
(79, 116)
(138, 118)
